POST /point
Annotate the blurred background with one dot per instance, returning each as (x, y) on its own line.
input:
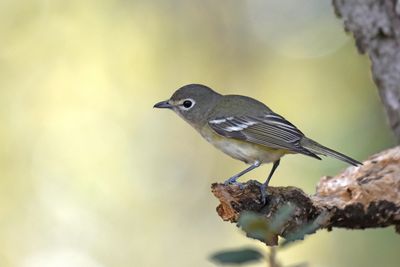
(93, 176)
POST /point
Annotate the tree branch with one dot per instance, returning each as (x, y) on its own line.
(375, 25)
(361, 197)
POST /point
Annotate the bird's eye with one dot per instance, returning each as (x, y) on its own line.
(187, 103)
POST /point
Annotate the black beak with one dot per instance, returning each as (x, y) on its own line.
(163, 104)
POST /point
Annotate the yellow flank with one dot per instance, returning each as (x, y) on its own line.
(242, 150)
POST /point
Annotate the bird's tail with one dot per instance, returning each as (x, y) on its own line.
(322, 150)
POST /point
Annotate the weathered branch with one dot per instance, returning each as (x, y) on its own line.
(361, 197)
(375, 25)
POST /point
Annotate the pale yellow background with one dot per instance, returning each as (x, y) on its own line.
(93, 176)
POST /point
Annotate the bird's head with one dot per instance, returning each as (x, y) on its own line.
(192, 102)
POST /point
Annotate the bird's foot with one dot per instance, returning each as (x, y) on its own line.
(233, 181)
(263, 192)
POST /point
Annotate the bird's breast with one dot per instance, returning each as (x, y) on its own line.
(242, 150)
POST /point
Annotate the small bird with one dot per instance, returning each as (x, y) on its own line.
(244, 128)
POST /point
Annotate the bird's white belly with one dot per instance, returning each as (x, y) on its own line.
(245, 151)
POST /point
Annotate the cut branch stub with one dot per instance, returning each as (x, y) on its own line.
(360, 197)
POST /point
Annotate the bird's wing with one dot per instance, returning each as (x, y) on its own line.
(270, 130)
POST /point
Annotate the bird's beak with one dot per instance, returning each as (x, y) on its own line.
(163, 104)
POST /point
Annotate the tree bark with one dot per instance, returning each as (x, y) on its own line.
(361, 197)
(375, 25)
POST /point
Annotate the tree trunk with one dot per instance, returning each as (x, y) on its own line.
(375, 25)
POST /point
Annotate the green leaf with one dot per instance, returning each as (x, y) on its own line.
(238, 256)
(305, 229)
(282, 216)
(254, 225)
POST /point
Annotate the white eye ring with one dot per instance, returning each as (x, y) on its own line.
(187, 104)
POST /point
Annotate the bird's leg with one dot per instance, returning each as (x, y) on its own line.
(264, 186)
(233, 179)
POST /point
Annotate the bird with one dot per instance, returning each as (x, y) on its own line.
(245, 129)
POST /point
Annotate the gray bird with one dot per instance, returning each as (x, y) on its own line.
(244, 128)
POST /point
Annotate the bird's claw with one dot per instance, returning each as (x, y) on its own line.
(263, 193)
(232, 181)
